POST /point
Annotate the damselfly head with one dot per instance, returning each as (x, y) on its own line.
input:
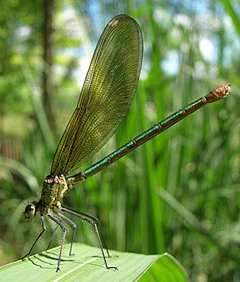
(30, 211)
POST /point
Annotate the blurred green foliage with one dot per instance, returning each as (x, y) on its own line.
(179, 192)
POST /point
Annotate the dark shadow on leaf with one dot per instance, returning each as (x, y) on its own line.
(53, 256)
(40, 265)
(103, 264)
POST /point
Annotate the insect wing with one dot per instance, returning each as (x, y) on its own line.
(106, 95)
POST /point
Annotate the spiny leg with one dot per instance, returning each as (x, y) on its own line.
(73, 226)
(43, 230)
(50, 240)
(60, 216)
(63, 238)
(97, 227)
(85, 216)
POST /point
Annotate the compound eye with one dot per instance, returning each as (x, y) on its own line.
(29, 212)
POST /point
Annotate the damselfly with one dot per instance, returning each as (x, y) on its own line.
(105, 99)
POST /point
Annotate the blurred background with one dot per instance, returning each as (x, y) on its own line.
(179, 193)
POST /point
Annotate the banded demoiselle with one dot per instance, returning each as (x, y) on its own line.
(105, 99)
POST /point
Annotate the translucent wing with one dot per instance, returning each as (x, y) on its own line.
(106, 96)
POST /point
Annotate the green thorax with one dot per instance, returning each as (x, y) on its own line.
(54, 188)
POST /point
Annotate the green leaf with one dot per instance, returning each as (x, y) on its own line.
(85, 265)
(166, 268)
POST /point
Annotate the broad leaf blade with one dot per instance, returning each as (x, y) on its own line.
(84, 265)
(166, 268)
